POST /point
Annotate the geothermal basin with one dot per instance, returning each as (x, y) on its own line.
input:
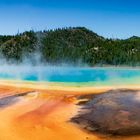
(54, 103)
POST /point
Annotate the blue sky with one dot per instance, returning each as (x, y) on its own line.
(109, 18)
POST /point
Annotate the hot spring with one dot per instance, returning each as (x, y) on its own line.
(71, 75)
(39, 102)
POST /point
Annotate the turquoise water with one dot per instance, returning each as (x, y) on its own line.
(74, 75)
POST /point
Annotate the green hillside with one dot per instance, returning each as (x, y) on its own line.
(71, 45)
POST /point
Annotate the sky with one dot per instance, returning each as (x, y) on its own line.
(109, 18)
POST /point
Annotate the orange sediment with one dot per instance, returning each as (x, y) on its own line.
(43, 115)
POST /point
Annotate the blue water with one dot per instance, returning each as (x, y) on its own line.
(71, 74)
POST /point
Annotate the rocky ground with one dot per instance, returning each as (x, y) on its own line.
(116, 112)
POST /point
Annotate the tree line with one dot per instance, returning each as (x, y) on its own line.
(71, 45)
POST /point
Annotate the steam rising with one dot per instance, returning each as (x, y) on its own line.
(68, 73)
(33, 69)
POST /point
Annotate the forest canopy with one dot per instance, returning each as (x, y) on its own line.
(71, 45)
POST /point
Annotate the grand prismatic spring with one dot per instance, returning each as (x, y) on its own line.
(44, 103)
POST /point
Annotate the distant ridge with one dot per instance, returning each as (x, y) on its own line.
(134, 38)
(70, 45)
